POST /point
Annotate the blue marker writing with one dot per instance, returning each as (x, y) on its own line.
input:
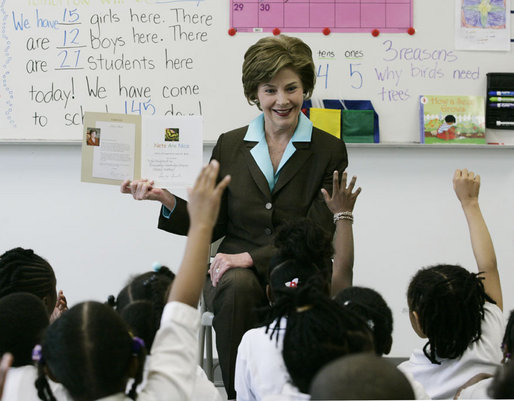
(500, 93)
(501, 99)
(502, 105)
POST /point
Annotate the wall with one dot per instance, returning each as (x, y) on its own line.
(406, 217)
(64, 57)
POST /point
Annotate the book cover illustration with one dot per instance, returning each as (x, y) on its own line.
(452, 119)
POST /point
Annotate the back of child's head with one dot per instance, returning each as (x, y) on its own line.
(304, 250)
(90, 351)
(361, 376)
(21, 270)
(23, 318)
(449, 301)
(142, 300)
(318, 331)
(370, 305)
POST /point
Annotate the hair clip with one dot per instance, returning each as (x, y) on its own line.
(293, 283)
(156, 266)
(371, 324)
(37, 355)
(137, 345)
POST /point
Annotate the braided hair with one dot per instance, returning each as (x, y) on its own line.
(372, 307)
(304, 249)
(23, 318)
(21, 270)
(141, 302)
(449, 301)
(318, 331)
(89, 350)
(303, 255)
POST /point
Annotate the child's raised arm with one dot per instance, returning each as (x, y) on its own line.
(467, 185)
(203, 208)
(342, 203)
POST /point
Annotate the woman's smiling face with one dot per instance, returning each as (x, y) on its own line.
(281, 101)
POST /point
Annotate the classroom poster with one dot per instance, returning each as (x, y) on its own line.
(482, 25)
(116, 147)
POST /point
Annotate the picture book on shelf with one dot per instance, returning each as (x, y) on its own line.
(452, 119)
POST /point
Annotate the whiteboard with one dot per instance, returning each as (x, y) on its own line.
(61, 58)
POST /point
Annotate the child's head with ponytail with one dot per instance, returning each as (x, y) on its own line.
(90, 351)
(446, 305)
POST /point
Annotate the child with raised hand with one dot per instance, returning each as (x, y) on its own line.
(90, 351)
(458, 311)
(140, 304)
(303, 253)
(341, 204)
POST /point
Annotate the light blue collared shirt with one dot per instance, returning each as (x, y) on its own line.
(260, 152)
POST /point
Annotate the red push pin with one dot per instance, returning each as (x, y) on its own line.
(276, 31)
(232, 31)
(326, 31)
(411, 31)
(375, 32)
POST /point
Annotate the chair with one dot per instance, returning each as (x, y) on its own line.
(205, 335)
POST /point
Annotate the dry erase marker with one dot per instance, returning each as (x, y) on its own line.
(501, 93)
(501, 99)
(502, 105)
(505, 123)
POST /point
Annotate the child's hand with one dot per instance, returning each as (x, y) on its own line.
(466, 185)
(204, 197)
(343, 198)
(60, 306)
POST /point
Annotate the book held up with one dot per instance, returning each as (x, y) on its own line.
(116, 147)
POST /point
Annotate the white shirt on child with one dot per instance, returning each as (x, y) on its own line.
(19, 385)
(260, 368)
(172, 368)
(482, 356)
(477, 391)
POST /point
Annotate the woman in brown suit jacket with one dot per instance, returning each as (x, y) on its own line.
(278, 163)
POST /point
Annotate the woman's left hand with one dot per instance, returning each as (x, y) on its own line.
(223, 261)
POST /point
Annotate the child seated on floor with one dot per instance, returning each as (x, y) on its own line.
(361, 376)
(90, 350)
(140, 304)
(303, 251)
(459, 312)
(23, 318)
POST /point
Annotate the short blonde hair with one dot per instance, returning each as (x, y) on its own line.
(264, 59)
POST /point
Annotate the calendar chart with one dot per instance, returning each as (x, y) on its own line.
(319, 15)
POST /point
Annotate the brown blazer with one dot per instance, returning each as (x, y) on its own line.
(250, 214)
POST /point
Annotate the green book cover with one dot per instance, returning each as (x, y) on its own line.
(452, 119)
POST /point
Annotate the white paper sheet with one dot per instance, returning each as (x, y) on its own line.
(171, 150)
(114, 158)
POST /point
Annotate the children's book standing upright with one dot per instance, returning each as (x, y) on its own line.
(452, 119)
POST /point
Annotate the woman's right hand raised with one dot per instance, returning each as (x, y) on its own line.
(144, 189)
